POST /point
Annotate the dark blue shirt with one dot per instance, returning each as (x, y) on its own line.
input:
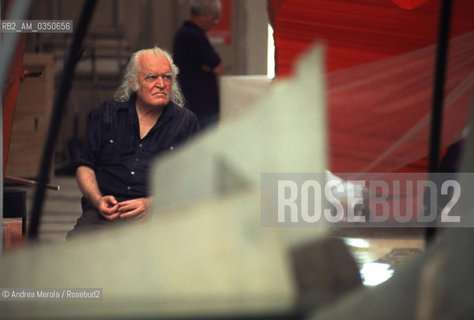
(114, 150)
(192, 50)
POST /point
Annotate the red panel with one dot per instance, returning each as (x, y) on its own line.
(362, 31)
(221, 33)
(409, 4)
(9, 98)
(380, 61)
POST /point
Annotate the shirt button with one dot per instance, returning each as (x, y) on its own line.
(140, 145)
(171, 148)
(111, 141)
(129, 188)
(132, 172)
(136, 159)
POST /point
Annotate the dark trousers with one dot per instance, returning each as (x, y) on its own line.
(91, 220)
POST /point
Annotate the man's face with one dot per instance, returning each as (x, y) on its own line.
(154, 79)
(210, 19)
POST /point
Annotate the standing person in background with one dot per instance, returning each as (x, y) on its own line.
(198, 62)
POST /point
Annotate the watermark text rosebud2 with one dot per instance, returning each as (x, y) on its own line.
(365, 200)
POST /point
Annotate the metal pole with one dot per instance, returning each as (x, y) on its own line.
(438, 95)
(55, 122)
(8, 44)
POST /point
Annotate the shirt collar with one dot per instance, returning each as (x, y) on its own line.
(190, 24)
(130, 106)
(166, 115)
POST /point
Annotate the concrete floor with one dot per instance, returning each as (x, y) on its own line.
(377, 252)
(61, 208)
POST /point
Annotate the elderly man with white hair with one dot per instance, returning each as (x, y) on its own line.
(146, 119)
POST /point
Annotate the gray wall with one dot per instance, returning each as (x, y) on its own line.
(145, 23)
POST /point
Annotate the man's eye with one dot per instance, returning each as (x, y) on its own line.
(167, 77)
(151, 78)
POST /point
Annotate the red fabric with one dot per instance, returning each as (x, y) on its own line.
(10, 90)
(273, 8)
(361, 31)
(379, 113)
(409, 4)
(380, 61)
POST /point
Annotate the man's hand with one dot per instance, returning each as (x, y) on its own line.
(218, 70)
(135, 208)
(108, 207)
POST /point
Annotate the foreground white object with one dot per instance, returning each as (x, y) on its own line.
(203, 251)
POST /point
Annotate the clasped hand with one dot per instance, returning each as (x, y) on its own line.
(111, 209)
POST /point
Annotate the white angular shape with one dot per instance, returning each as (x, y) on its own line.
(204, 251)
(284, 133)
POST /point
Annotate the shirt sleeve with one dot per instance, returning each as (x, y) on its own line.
(190, 126)
(210, 57)
(203, 51)
(193, 127)
(92, 142)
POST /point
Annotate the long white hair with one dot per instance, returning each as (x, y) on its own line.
(130, 83)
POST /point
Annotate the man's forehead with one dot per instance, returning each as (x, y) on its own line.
(150, 62)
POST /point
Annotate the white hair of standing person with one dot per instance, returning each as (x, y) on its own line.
(130, 83)
(200, 7)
